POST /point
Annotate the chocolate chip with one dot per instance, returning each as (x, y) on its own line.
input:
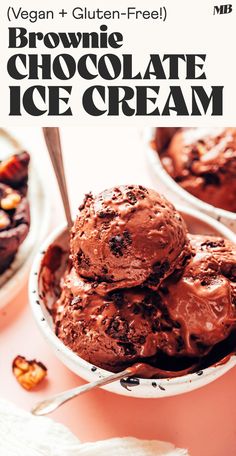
(166, 326)
(156, 325)
(161, 387)
(129, 382)
(83, 260)
(136, 309)
(153, 280)
(128, 349)
(159, 271)
(107, 214)
(127, 237)
(211, 179)
(180, 343)
(148, 307)
(161, 268)
(213, 244)
(144, 190)
(164, 290)
(142, 340)
(131, 197)
(229, 272)
(134, 194)
(88, 196)
(202, 347)
(200, 372)
(117, 297)
(119, 243)
(194, 156)
(233, 273)
(118, 328)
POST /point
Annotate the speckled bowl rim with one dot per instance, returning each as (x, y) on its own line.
(210, 374)
(155, 161)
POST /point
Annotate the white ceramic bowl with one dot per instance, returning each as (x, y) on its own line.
(135, 387)
(176, 193)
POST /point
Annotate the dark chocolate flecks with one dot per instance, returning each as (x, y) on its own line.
(159, 271)
(107, 214)
(129, 383)
(211, 179)
(118, 328)
(87, 197)
(161, 387)
(117, 297)
(199, 372)
(93, 369)
(83, 260)
(128, 348)
(119, 243)
(213, 244)
(131, 197)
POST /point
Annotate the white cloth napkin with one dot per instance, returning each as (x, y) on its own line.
(22, 434)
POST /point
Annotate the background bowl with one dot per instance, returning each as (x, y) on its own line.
(42, 298)
(175, 192)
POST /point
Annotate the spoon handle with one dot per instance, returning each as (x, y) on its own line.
(51, 404)
(52, 138)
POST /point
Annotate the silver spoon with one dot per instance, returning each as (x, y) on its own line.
(52, 403)
(52, 138)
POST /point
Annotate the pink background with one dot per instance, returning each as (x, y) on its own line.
(204, 421)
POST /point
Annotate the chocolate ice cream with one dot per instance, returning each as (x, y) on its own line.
(128, 236)
(115, 330)
(192, 311)
(119, 305)
(203, 162)
(203, 298)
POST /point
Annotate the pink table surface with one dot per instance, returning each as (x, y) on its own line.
(204, 421)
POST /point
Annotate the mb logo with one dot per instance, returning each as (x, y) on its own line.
(223, 9)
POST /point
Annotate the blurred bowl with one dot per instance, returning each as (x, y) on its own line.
(15, 276)
(173, 191)
(42, 298)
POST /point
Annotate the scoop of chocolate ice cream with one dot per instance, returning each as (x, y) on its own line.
(127, 236)
(138, 289)
(115, 330)
(192, 312)
(203, 298)
(203, 162)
